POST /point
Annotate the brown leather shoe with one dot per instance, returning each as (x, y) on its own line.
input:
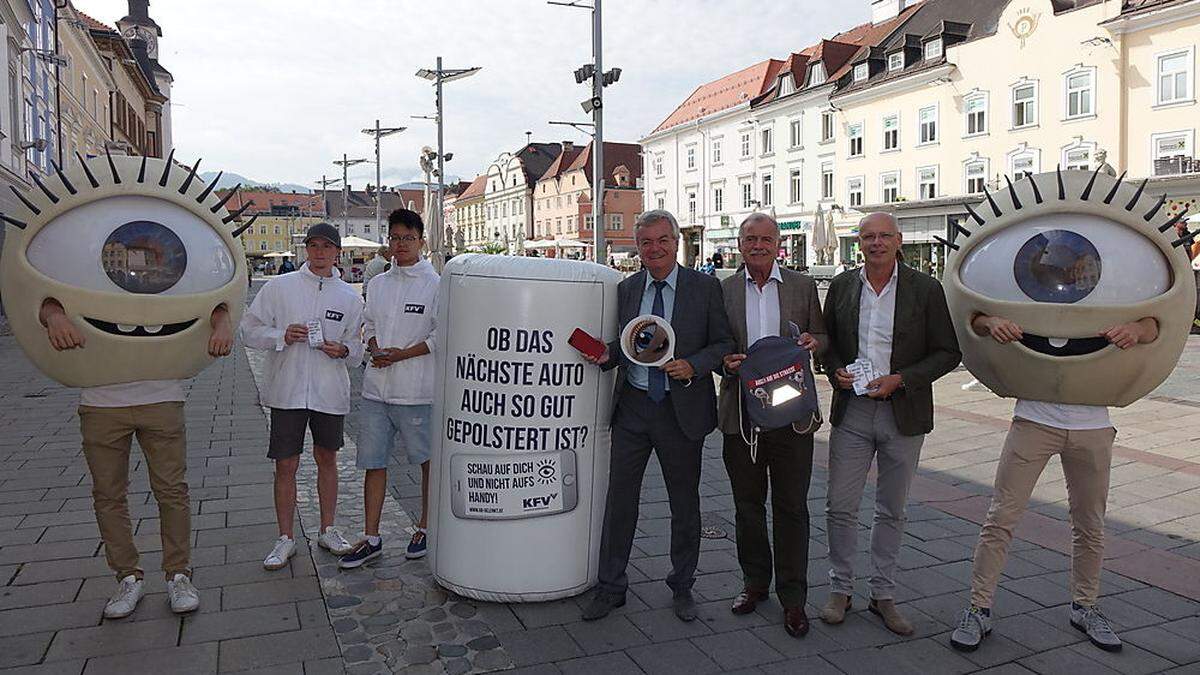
(795, 621)
(895, 622)
(747, 600)
(834, 611)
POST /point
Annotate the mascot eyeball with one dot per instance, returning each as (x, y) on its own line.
(1067, 255)
(138, 252)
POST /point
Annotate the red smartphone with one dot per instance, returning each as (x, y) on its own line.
(586, 344)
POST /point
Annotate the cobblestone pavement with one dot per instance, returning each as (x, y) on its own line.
(313, 618)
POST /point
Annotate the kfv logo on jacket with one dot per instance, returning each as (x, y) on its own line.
(333, 316)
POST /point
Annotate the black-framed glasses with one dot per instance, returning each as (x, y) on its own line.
(407, 239)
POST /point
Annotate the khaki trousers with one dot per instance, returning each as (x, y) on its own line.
(107, 433)
(1086, 461)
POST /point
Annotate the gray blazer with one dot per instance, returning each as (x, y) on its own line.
(702, 336)
(798, 304)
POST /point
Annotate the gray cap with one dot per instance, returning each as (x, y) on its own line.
(324, 231)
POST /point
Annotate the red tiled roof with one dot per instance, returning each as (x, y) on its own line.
(93, 24)
(475, 189)
(724, 93)
(562, 162)
(263, 201)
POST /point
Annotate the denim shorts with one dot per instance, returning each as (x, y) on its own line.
(378, 425)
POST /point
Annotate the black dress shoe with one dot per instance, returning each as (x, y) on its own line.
(685, 606)
(795, 621)
(601, 605)
(747, 600)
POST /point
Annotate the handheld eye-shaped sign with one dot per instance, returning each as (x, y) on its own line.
(648, 340)
(138, 252)
(1067, 255)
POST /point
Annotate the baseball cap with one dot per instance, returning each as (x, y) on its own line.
(324, 231)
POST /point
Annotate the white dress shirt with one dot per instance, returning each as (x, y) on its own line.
(876, 318)
(762, 306)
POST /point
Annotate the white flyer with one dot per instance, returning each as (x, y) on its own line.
(315, 337)
(863, 372)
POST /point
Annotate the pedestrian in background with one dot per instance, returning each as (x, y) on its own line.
(308, 323)
(888, 318)
(397, 391)
(761, 300)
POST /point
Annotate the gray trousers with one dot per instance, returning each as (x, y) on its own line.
(868, 431)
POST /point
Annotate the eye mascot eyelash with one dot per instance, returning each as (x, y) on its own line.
(134, 329)
(1062, 358)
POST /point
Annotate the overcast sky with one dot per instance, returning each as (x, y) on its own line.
(277, 89)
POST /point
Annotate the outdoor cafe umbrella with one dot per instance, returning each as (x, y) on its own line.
(831, 239)
(818, 236)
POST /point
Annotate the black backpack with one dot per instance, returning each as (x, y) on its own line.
(776, 389)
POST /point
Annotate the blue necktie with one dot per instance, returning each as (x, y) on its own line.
(658, 379)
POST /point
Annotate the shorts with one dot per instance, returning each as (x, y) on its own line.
(378, 425)
(287, 431)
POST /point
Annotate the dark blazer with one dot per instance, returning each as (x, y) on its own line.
(702, 337)
(798, 304)
(924, 345)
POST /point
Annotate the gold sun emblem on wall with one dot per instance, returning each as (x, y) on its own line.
(1024, 26)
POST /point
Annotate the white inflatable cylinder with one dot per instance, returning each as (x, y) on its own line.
(519, 466)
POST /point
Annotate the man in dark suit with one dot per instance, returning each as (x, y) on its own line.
(764, 299)
(669, 409)
(896, 318)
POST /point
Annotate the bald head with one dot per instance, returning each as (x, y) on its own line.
(879, 219)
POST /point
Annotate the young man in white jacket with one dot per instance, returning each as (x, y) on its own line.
(399, 324)
(308, 323)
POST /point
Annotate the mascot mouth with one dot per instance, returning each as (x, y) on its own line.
(128, 330)
(1064, 346)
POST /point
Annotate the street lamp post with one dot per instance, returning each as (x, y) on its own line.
(438, 76)
(346, 163)
(379, 132)
(595, 106)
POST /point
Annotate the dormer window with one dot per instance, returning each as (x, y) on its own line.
(861, 72)
(933, 49)
(895, 62)
(787, 85)
(816, 74)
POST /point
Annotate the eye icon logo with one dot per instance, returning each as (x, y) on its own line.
(547, 471)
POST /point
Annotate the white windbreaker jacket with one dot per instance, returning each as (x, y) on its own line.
(299, 376)
(401, 312)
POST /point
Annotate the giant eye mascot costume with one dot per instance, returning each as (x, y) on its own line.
(123, 276)
(1069, 292)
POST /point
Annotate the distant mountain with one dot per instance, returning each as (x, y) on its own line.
(229, 180)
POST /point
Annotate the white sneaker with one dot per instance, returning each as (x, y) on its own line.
(285, 548)
(125, 600)
(183, 595)
(332, 540)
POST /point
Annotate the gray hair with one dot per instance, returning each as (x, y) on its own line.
(758, 217)
(890, 217)
(654, 216)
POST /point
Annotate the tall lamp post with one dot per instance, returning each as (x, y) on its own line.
(438, 76)
(595, 106)
(346, 163)
(379, 132)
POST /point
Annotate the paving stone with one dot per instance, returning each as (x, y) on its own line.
(1160, 602)
(738, 649)
(50, 617)
(53, 668)
(267, 650)
(661, 625)
(49, 593)
(611, 633)
(539, 614)
(1179, 647)
(540, 645)
(670, 658)
(616, 663)
(191, 659)
(56, 570)
(1064, 660)
(114, 637)
(927, 656)
(274, 592)
(814, 665)
(23, 650)
(213, 626)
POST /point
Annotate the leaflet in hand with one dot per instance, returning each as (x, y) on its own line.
(863, 372)
(315, 337)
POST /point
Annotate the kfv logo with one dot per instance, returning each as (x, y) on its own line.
(531, 503)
